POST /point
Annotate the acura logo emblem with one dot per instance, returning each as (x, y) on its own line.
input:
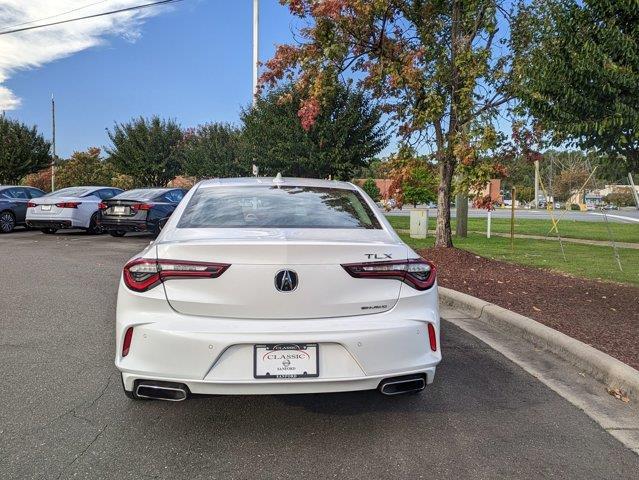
(286, 280)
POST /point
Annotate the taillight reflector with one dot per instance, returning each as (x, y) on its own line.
(143, 274)
(416, 272)
(126, 344)
(432, 337)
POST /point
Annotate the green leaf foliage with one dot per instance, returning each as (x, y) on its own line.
(371, 189)
(213, 150)
(147, 150)
(22, 151)
(345, 137)
(582, 77)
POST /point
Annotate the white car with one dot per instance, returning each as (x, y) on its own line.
(276, 286)
(73, 207)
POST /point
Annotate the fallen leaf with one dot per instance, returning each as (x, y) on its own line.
(536, 309)
(619, 394)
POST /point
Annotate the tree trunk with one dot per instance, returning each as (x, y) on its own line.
(443, 234)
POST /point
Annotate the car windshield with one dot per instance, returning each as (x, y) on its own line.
(69, 192)
(140, 194)
(277, 207)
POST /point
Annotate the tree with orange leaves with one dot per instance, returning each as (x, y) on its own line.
(438, 68)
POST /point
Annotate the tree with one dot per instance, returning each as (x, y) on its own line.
(413, 179)
(22, 151)
(84, 168)
(212, 150)
(371, 189)
(146, 150)
(344, 137)
(568, 181)
(437, 67)
(420, 186)
(582, 80)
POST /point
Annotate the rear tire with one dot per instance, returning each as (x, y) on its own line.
(49, 231)
(94, 227)
(7, 222)
(117, 233)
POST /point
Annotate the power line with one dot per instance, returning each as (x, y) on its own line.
(53, 16)
(112, 12)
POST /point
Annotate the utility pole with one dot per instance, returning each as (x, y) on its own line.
(53, 143)
(256, 20)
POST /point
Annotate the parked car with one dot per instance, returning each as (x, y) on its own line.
(13, 205)
(610, 206)
(140, 210)
(72, 207)
(243, 290)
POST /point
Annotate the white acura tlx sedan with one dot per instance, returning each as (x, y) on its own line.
(276, 286)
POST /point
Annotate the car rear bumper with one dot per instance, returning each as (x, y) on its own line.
(216, 355)
(110, 224)
(57, 224)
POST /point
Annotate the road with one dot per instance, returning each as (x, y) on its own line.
(630, 216)
(63, 413)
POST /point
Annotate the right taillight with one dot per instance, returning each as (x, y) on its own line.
(416, 272)
(143, 274)
(432, 337)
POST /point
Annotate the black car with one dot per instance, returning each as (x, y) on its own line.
(140, 210)
(13, 205)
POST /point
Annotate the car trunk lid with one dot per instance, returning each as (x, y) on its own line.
(251, 288)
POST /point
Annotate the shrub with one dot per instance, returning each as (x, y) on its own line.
(371, 189)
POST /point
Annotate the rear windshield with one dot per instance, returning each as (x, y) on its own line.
(140, 194)
(69, 192)
(277, 207)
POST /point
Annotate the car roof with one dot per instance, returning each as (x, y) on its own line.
(282, 181)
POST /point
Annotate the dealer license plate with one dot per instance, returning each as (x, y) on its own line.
(286, 360)
(118, 210)
(45, 208)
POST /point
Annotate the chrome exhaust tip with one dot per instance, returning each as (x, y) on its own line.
(402, 385)
(167, 391)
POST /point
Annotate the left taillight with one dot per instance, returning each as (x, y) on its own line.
(416, 272)
(31, 204)
(68, 204)
(102, 206)
(143, 274)
(126, 343)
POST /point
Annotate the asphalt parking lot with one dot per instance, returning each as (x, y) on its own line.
(63, 413)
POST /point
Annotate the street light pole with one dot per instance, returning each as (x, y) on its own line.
(256, 19)
(53, 143)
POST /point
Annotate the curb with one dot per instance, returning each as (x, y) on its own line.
(601, 366)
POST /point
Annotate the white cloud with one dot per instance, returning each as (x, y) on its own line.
(34, 48)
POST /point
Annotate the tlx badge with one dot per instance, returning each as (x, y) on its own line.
(378, 256)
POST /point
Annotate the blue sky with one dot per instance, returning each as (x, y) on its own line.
(191, 62)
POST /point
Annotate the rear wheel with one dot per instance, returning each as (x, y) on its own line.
(49, 231)
(7, 222)
(94, 227)
(117, 233)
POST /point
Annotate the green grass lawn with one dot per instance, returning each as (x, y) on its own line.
(581, 260)
(567, 228)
